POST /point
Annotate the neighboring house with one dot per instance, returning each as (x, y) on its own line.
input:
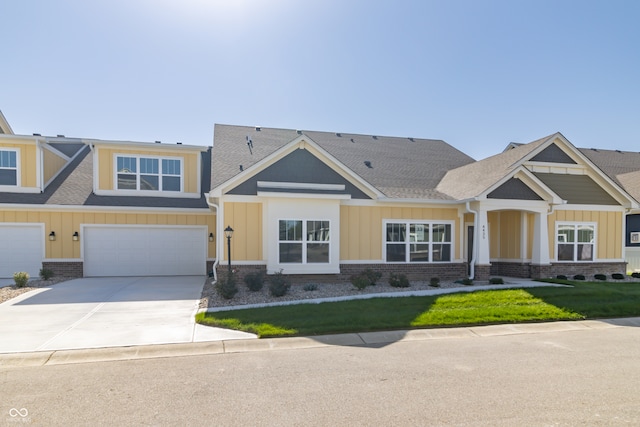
(319, 203)
(315, 205)
(103, 208)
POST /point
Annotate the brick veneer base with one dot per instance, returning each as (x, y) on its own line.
(514, 269)
(422, 272)
(65, 268)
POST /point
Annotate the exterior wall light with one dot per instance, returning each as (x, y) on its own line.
(76, 236)
(52, 236)
(211, 238)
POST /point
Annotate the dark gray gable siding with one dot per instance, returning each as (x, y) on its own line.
(633, 224)
(302, 167)
(553, 154)
(514, 189)
(68, 149)
(577, 189)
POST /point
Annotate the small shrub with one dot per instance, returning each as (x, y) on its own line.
(435, 282)
(360, 281)
(617, 276)
(635, 275)
(226, 286)
(278, 285)
(373, 276)
(467, 282)
(496, 281)
(600, 276)
(579, 277)
(254, 281)
(398, 280)
(561, 277)
(21, 278)
(46, 274)
(310, 287)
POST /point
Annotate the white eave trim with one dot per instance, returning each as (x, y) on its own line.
(147, 145)
(94, 208)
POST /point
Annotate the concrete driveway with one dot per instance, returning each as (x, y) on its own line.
(107, 312)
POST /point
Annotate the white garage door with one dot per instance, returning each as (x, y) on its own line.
(144, 251)
(21, 249)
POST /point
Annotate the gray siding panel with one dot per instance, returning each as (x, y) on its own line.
(514, 189)
(577, 189)
(553, 154)
(302, 167)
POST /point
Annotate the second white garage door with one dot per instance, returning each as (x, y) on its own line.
(144, 251)
(21, 249)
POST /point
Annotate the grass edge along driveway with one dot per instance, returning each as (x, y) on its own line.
(583, 300)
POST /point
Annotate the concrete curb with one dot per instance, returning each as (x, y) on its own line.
(62, 357)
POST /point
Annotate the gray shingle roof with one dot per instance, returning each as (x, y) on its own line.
(74, 186)
(473, 179)
(400, 167)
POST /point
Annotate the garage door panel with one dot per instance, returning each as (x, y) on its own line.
(144, 251)
(21, 249)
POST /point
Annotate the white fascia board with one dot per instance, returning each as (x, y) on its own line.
(116, 209)
(22, 138)
(599, 208)
(4, 125)
(147, 145)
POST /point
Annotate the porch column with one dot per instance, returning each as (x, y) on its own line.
(540, 250)
(481, 241)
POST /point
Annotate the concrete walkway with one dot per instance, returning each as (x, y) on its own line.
(107, 312)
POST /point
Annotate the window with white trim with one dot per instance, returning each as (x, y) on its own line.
(303, 241)
(575, 241)
(418, 241)
(8, 167)
(146, 173)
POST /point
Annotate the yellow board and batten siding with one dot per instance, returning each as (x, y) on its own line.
(66, 223)
(361, 228)
(246, 221)
(52, 164)
(609, 234)
(505, 234)
(106, 168)
(28, 163)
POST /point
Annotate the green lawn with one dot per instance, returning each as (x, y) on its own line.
(581, 301)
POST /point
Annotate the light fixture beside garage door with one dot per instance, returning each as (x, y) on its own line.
(76, 236)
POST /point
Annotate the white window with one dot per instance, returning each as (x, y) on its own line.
(148, 173)
(303, 242)
(418, 241)
(8, 167)
(575, 241)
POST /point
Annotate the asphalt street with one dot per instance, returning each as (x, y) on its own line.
(568, 377)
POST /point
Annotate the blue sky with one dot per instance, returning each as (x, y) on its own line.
(477, 74)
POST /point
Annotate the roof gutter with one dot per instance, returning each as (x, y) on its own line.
(217, 261)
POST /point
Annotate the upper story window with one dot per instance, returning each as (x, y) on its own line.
(8, 167)
(148, 173)
(575, 241)
(418, 241)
